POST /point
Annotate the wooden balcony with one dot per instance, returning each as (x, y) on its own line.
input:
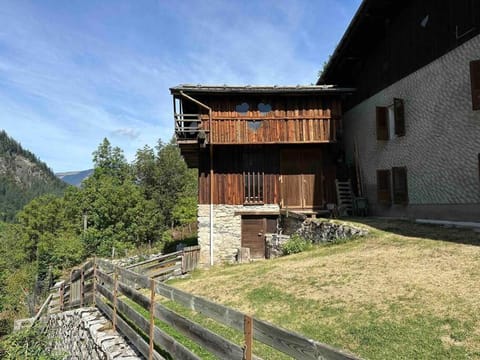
(236, 130)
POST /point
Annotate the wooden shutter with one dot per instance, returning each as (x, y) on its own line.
(475, 82)
(399, 115)
(382, 123)
(383, 187)
(400, 187)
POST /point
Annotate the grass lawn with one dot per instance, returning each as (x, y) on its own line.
(405, 291)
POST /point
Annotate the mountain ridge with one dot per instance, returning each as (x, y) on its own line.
(22, 177)
(74, 178)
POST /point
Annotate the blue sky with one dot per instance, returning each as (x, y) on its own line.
(73, 72)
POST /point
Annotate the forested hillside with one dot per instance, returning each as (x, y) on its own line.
(22, 178)
(121, 206)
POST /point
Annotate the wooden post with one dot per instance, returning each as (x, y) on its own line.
(62, 294)
(82, 287)
(94, 280)
(183, 262)
(115, 287)
(248, 332)
(152, 318)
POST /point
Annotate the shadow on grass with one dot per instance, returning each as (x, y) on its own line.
(425, 231)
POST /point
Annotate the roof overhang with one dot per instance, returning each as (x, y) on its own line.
(258, 89)
(364, 31)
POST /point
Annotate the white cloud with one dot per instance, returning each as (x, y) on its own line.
(127, 132)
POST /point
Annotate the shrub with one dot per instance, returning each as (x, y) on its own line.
(27, 344)
(295, 244)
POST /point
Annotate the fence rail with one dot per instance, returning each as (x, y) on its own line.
(133, 285)
(114, 290)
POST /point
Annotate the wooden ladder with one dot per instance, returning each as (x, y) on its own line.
(344, 197)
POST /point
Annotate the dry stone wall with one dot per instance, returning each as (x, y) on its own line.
(86, 334)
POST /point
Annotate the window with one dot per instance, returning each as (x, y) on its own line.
(475, 82)
(253, 177)
(383, 187)
(391, 120)
(400, 186)
(392, 182)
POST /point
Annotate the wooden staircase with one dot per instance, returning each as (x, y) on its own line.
(344, 197)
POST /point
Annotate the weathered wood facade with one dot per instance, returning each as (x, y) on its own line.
(295, 177)
(266, 144)
(265, 148)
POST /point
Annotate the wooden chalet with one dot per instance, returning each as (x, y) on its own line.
(266, 148)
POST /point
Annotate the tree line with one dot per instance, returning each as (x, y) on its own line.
(121, 206)
(23, 177)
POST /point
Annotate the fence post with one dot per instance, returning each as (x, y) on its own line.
(152, 318)
(82, 286)
(183, 262)
(115, 287)
(94, 280)
(62, 294)
(248, 332)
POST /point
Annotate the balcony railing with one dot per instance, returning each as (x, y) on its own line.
(187, 126)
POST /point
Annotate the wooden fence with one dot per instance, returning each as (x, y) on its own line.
(112, 289)
(114, 283)
(164, 266)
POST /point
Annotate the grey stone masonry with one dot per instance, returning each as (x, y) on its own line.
(227, 230)
(441, 145)
(86, 334)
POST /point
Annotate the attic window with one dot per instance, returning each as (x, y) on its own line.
(242, 108)
(424, 21)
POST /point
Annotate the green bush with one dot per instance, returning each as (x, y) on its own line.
(27, 344)
(295, 244)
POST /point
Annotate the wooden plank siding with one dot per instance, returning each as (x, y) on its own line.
(292, 119)
(229, 169)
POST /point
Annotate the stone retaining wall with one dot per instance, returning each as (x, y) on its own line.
(316, 231)
(86, 334)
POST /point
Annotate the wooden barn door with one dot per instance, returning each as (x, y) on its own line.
(253, 235)
(302, 179)
(291, 186)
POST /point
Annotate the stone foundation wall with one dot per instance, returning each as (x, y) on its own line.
(86, 334)
(227, 230)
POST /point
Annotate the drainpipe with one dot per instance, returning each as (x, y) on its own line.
(211, 166)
